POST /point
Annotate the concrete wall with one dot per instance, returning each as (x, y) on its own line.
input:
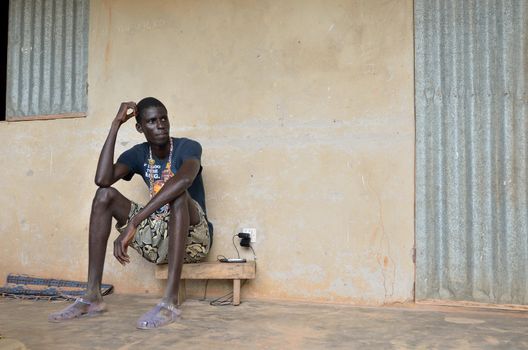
(305, 113)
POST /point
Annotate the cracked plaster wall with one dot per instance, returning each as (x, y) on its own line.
(305, 113)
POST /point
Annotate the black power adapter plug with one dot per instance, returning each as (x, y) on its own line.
(245, 239)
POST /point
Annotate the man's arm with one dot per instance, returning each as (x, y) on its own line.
(107, 172)
(173, 188)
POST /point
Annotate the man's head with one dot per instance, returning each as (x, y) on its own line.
(152, 120)
(145, 103)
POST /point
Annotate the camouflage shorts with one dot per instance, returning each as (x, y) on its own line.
(151, 237)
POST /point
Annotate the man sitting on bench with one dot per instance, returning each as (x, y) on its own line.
(171, 228)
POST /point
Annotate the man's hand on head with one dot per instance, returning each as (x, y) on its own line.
(126, 111)
(122, 242)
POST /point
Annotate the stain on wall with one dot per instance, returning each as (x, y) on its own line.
(305, 113)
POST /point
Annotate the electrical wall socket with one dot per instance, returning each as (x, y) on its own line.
(252, 233)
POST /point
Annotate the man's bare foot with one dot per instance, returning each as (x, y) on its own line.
(160, 315)
(80, 308)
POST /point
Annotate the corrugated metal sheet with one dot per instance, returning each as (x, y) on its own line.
(471, 139)
(47, 57)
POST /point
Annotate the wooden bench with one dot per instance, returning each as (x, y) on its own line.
(212, 271)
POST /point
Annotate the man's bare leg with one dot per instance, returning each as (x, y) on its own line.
(183, 213)
(107, 203)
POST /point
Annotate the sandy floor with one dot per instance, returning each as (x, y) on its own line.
(264, 325)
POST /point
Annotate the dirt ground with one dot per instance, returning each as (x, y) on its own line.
(264, 325)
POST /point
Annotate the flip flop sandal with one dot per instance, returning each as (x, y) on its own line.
(159, 316)
(78, 309)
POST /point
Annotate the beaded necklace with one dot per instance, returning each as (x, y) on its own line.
(151, 168)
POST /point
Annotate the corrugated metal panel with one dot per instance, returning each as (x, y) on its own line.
(471, 139)
(47, 57)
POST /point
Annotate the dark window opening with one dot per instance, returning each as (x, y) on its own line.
(4, 24)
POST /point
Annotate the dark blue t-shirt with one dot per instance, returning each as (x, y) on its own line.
(136, 158)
